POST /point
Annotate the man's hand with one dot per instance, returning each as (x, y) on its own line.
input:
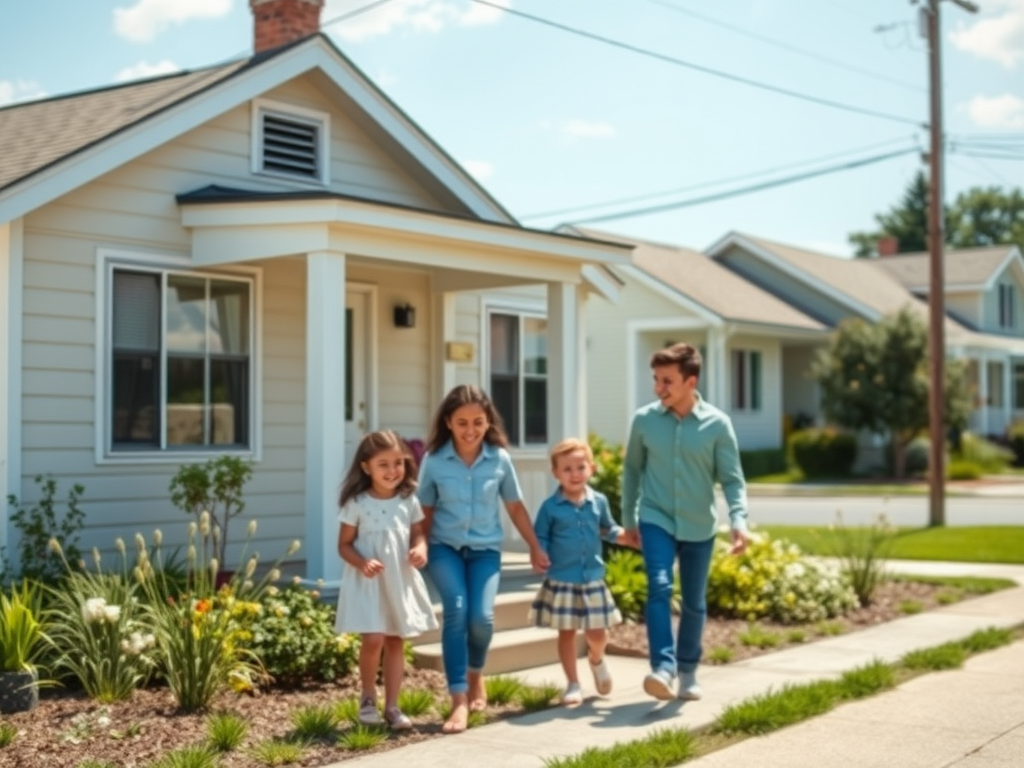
(740, 539)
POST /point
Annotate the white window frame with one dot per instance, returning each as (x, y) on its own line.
(749, 388)
(107, 261)
(322, 121)
(1007, 306)
(521, 309)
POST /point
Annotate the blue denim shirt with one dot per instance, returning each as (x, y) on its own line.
(466, 500)
(571, 535)
(672, 465)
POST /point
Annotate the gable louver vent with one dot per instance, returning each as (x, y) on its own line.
(291, 147)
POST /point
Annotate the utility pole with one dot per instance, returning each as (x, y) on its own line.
(936, 271)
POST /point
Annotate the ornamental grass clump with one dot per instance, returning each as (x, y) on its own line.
(773, 579)
(863, 554)
(99, 629)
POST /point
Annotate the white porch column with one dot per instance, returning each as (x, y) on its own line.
(983, 396)
(718, 395)
(325, 410)
(11, 247)
(566, 377)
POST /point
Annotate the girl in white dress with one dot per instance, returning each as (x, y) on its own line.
(382, 597)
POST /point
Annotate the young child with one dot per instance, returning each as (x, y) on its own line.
(569, 527)
(383, 597)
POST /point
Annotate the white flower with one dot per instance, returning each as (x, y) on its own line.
(94, 610)
(111, 613)
(294, 547)
(103, 721)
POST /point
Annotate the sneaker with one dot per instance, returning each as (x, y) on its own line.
(659, 685)
(602, 677)
(573, 695)
(397, 719)
(368, 714)
(689, 688)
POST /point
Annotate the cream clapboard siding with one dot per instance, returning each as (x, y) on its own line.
(608, 409)
(966, 307)
(133, 209)
(761, 428)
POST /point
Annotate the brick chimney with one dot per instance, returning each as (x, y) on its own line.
(279, 22)
(887, 245)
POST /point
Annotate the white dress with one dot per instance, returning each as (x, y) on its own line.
(395, 601)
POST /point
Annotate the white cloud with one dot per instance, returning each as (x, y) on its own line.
(1000, 37)
(1005, 112)
(19, 90)
(144, 69)
(479, 169)
(143, 21)
(417, 15)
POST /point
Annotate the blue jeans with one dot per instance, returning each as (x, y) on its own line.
(661, 549)
(467, 581)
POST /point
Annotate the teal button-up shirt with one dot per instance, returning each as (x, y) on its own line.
(671, 468)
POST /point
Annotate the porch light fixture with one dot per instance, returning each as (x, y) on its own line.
(405, 316)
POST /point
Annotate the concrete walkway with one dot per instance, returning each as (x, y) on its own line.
(972, 718)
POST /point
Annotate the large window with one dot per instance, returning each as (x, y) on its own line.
(1018, 386)
(518, 375)
(1007, 310)
(746, 380)
(180, 362)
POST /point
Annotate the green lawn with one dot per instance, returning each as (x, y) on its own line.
(981, 544)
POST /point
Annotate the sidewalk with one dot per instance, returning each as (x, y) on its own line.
(934, 721)
(992, 486)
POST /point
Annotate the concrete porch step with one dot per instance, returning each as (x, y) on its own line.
(511, 650)
(510, 612)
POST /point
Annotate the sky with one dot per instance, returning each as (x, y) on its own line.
(599, 107)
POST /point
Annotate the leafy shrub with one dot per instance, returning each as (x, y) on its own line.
(607, 477)
(40, 523)
(292, 634)
(991, 457)
(1015, 439)
(958, 469)
(766, 461)
(627, 582)
(823, 452)
(917, 456)
(774, 579)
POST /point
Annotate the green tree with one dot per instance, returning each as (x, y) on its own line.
(978, 217)
(874, 376)
(907, 221)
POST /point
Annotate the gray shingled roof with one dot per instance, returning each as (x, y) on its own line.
(708, 283)
(37, 134)
(862, 280)
(970, 267)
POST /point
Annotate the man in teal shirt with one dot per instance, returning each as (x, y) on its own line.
(678, 448)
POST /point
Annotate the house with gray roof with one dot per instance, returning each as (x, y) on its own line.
(265, 258)
(983, 294)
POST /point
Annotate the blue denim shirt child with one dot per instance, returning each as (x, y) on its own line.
(571, 535)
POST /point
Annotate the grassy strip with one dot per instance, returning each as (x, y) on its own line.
(790, 704)
(978, 544)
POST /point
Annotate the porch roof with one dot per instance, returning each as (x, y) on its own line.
(230, 225)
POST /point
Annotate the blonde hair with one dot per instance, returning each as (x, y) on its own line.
(570, 445)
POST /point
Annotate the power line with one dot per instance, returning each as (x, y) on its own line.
(701, 68)
(744, 190)
(786, 46)
(713, 183)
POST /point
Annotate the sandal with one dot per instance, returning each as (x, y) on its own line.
(368, 714)
(397, 720)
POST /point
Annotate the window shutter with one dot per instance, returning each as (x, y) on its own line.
(291, 146)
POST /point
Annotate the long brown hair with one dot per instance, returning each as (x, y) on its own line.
(466, 394)
(357, 481)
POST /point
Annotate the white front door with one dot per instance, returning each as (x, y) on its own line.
(357, 413)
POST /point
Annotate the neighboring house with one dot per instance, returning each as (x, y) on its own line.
(263, 258)
(756, 348)
(984, 289)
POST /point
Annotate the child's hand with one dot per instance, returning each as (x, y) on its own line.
(539, 560)
(418, 555)
(372, 567)
(626, 540)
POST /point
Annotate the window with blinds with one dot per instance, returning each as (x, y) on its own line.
(518, 375)
(180, 361)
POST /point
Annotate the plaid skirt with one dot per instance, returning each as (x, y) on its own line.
(565, 605)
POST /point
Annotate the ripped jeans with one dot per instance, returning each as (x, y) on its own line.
(467, 582)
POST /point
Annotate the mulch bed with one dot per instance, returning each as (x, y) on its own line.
(68, 728)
